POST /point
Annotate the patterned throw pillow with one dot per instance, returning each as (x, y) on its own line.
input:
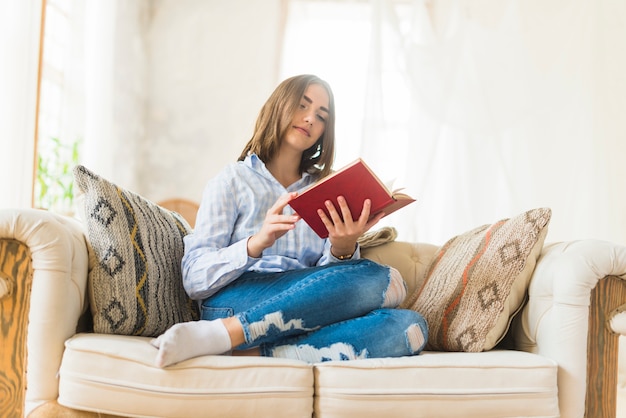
(135, 251)
(478, 281)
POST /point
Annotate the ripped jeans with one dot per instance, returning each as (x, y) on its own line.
(340, 311)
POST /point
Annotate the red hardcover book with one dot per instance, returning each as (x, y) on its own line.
(356, 182)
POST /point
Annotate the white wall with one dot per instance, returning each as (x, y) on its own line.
(210, 66)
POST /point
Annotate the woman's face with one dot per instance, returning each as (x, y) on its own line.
(309, 120)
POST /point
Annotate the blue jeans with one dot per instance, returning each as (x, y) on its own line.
(338, 311)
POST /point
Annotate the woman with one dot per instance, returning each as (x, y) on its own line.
(268, 284)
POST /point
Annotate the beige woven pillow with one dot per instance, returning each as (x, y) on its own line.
(135, 251)
(478, 280)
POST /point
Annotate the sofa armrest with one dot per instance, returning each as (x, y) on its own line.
(575, 289)
(603, 348)
(15, 282)
(44, 261)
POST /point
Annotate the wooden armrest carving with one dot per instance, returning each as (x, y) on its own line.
(602, 349)
(16, 268)
(6, 286)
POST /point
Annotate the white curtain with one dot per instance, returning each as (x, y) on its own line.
(512, 102)
(106, 86)
(485, 109)
(20, 28)
(85, 100)
(87, 97)
(99, 57)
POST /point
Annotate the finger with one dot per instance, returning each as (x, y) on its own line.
(334, 215)
(281, 203)
(365, 212)
(275, 226)
(326, 220)
(374, 220)
(274, 219)
(281, 228)
(345, 210)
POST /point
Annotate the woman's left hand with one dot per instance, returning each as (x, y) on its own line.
(343, 231)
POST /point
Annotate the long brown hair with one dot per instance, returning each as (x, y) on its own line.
(275, 118)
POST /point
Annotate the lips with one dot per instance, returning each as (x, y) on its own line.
(302, 130)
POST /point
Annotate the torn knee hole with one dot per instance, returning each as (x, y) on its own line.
(415, 337)
(396, 291)
(276, 320)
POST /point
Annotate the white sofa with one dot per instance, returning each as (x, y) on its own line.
(563, 361)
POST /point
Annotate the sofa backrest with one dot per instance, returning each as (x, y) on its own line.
(410, 259)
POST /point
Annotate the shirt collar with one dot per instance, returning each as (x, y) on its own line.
(254, 162)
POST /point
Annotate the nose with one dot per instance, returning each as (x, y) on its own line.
(309, 118)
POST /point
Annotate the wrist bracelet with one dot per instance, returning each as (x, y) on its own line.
(345, 256)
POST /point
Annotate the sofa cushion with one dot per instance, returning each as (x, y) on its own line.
(478, 280)
(115, 374)
(439, 384)
(135, 250)
(409, 258)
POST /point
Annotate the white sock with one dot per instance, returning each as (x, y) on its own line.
(191, 339)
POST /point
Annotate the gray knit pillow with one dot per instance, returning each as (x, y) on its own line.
(135, 251)
(478, 281)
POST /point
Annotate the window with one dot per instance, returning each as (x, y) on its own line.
(331, 40)
(351, 45)
(57, 150)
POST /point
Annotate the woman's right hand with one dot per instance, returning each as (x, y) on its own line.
(275, 225)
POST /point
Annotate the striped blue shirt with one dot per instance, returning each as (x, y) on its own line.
(233, 208)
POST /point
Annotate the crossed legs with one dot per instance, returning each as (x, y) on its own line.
(219, 336)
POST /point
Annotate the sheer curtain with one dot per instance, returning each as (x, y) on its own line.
(93, 83)
(85, 103)
(20, 29)
(484, 109)
(513, 96)
(99, 74)
(107, 100)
